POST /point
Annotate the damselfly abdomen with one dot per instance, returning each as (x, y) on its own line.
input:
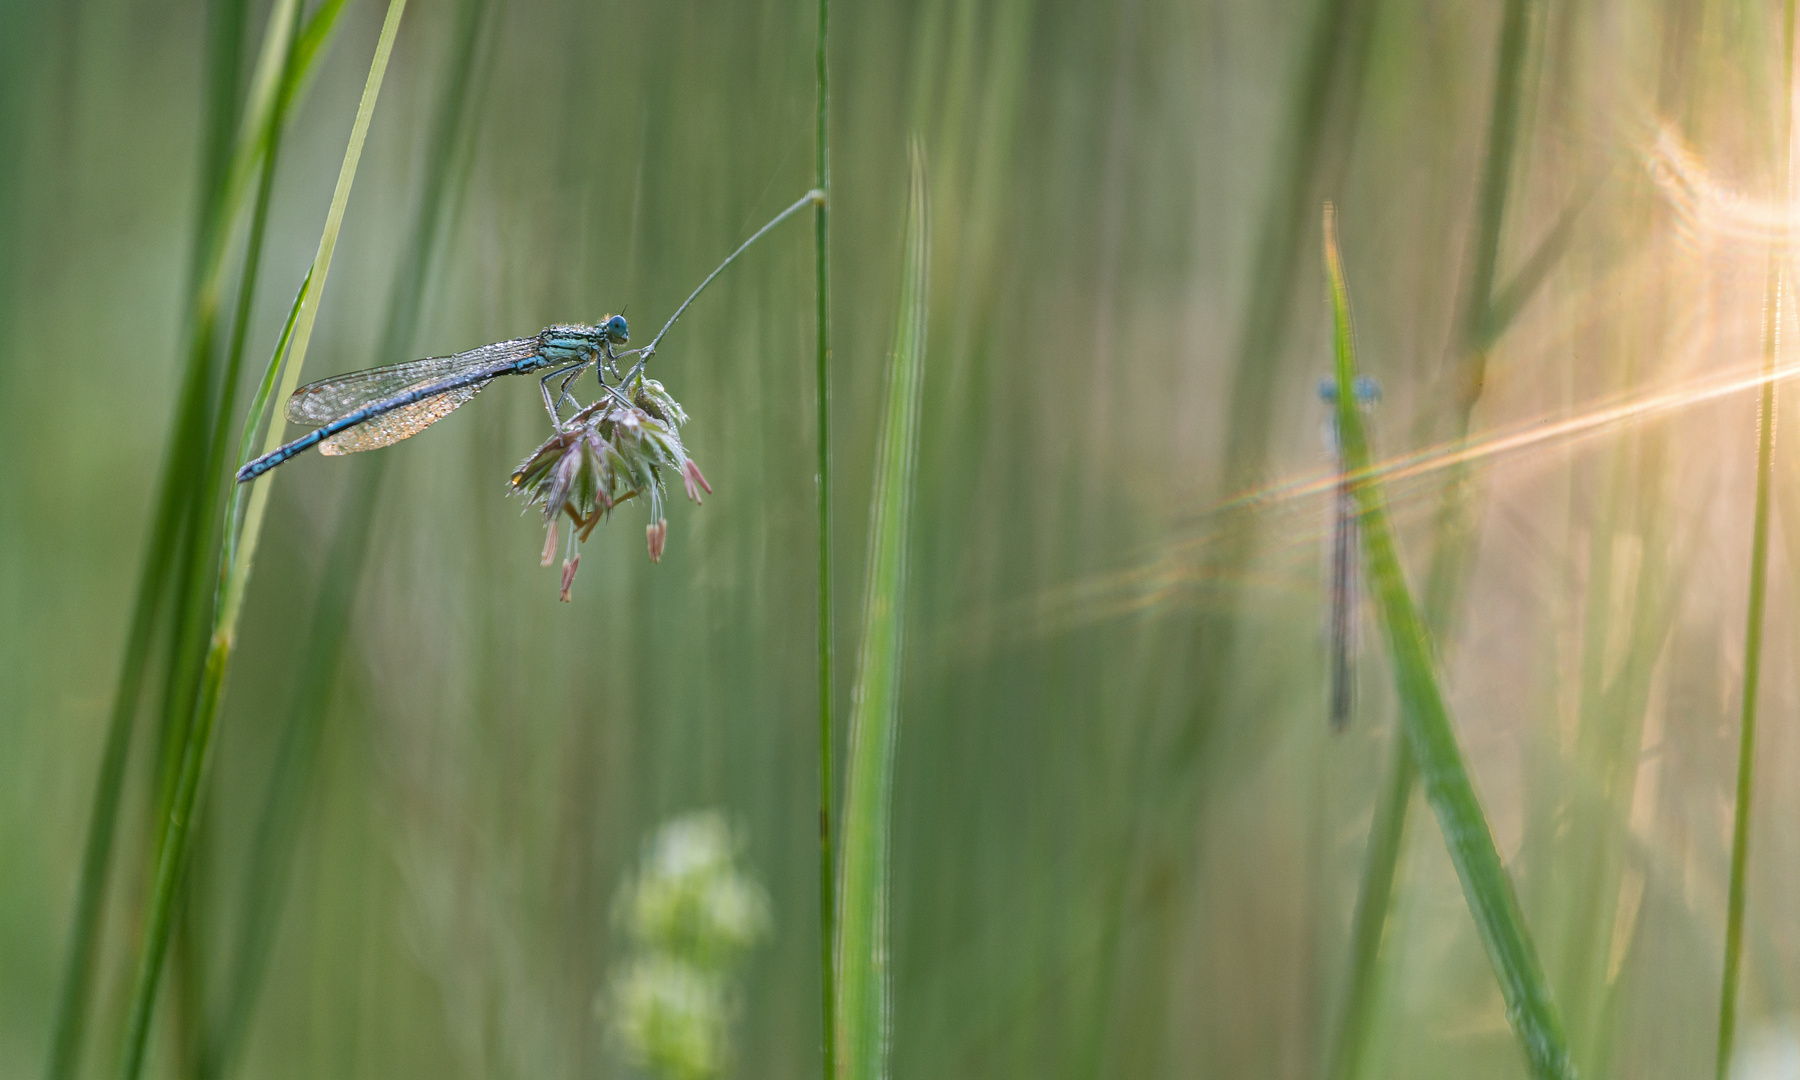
(1341, 618)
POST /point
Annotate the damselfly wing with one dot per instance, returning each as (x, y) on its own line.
(322, 402)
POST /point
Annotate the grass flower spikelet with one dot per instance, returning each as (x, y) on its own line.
(609, 453)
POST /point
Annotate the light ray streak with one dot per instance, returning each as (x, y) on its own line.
(1175, 566)
(1446, 455)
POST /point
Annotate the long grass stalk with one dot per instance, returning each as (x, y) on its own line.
(225, 30)
(1329, 52)
(177, 827)
(1157, 849)
(822, 480)
(864, 1007)
(220, 198)
(188, 591)
(194, 612)
(271, 858)
(1455, 531)
(286, 59)
(1753, 642)
(1773, 299)
(1496, 182)
(1432, 740)
(1335, 55)
(90, 893)
(279, 83)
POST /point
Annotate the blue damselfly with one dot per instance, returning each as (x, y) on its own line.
(1341, 617)
(381, 406)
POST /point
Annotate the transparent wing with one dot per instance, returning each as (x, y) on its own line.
(321, 402)
(401, 423)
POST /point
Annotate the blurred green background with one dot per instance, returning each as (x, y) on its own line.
(1126, 842)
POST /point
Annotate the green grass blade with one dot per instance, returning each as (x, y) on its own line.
(90, 893)
(285, 65)
(288, 57)
(173, 518)
(1331, 50)
(194, 610)
(175, 490)
(254, 417)
(1759, 576)
(1753, 642)
(1510, 299)
(177, 827)
(266, 876)
(1486, 887)
(863, 1007)
(1387, 835)
(1482, 324)
(822, 479)
(309, 308)
(1496, 180)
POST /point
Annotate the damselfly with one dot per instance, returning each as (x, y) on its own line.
(1341, 627)
(381, 406)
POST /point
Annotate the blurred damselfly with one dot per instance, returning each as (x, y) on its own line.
(1344, 592)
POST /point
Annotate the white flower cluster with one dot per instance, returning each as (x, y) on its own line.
(691, 913)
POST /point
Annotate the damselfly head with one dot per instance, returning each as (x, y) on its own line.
(615, 330)
(1365, 388)
(1367, 391)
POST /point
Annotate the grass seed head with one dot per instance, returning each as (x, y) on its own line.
(607, 454)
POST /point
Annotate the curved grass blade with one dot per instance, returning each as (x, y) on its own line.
(1753, 629)
(1426, 719)
(863, 1006)
(175, 507)
(1484, 320)
(264, 880)
(177, 828)
(822, 468)
(253, 420)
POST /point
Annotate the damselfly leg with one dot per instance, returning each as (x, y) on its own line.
(553, 405)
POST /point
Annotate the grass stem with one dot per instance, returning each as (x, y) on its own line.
(1455, 533)
(822, 485)
(864, 1007)
(1487, 888)
(177, 827)
(1753, 641)
(219, 200)
(267, 874)
(1759, 579)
